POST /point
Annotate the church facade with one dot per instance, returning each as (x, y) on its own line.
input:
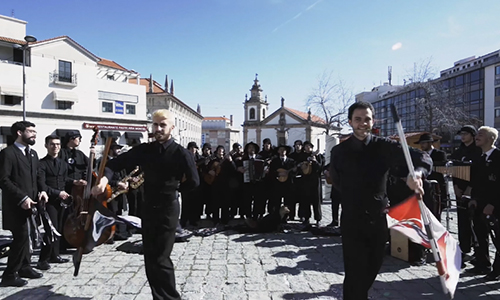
(283, 126)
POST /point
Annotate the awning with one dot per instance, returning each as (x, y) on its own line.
(61, 95)
(4, 130)
(62, 132)
(11, 90)
(133, 135)
(112, 134)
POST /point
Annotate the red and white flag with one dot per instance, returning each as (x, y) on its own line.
(407, 219)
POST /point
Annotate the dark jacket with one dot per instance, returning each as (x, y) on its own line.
(163, 172)
(17, 181)
(77, 163)
(465, 154)
(485, 181)
(276, 164)
(53, 177)
(359, 170)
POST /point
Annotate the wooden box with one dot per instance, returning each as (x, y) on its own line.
(399, 245)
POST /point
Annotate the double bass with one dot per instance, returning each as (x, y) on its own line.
(78, 225)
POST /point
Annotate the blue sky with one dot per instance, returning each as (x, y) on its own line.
(213, 48)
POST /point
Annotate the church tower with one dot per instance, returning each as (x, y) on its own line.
(255, 107)
(256, 110)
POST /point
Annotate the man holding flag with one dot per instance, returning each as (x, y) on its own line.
(359, 168)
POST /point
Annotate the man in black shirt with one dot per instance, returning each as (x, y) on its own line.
(466, 153)
(359, 167)
(168, 169)
(53, 176)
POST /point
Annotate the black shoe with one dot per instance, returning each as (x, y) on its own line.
(30, 273)
(111, 241)
(479, 270)
(43, 265)
(420, 262)
(13, 280)
(492, 276)
(58, 260)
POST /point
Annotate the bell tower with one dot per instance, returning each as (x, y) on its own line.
(255, 107)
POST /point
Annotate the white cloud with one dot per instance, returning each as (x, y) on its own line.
(397, 46)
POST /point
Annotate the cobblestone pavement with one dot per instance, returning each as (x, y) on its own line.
(229, 265)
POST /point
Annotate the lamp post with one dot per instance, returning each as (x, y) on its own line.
(28, 39)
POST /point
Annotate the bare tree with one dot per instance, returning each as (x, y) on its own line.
(439, 108)
(330, 100)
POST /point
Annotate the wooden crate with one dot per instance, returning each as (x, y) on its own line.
(399, 245)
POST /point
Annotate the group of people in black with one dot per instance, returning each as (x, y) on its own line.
(250, 182)
(38, 192)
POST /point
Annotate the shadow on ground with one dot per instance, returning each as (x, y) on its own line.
(41, 293)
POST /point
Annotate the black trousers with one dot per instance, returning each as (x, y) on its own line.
(335, 197)
(464, 229)
(252, 199)
(158, 234)
(481, 229)
(191, 209)
(51, 249)
(309, 196)
(280, 190)
(19, 254)
(363, 245)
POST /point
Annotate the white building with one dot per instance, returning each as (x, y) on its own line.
(67, 88)
(283, 126)
(187, 120)
(220, 131)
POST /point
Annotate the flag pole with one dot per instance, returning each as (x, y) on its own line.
(425, 217)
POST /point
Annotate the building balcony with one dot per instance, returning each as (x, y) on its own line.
(63, 79)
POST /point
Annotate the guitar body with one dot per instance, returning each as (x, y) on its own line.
(282, 174)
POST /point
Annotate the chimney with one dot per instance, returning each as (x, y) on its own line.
(151, 83)
(231, 120)
(166, 83)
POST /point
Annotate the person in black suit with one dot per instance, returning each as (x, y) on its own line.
(485, 180)
(53, 176)
(359, 167)
(309, 184)
(168, 169)
(466, 153)
(18, 181)
(438, 159)
(281, 167)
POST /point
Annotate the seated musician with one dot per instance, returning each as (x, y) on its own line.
(438, 159)
(251, 166)
(466, 153)
(53, 177)
(485, 180)
(309, 185)
(282, 171)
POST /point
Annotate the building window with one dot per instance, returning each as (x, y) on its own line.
(64, 104)
(497, 92)
(64, 71)
(263, 113)
(110, 77)
(497, 113)
(107, 107)
(11, 100)
(130, 109)
(497, 70)
(252, 113)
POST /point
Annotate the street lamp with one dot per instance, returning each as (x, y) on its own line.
(28, 39)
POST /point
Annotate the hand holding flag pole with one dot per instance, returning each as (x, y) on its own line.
(425, 217)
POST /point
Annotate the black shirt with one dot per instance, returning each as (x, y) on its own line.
(77, 162)
(359, 170)
(465, 154)
(164, 167)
